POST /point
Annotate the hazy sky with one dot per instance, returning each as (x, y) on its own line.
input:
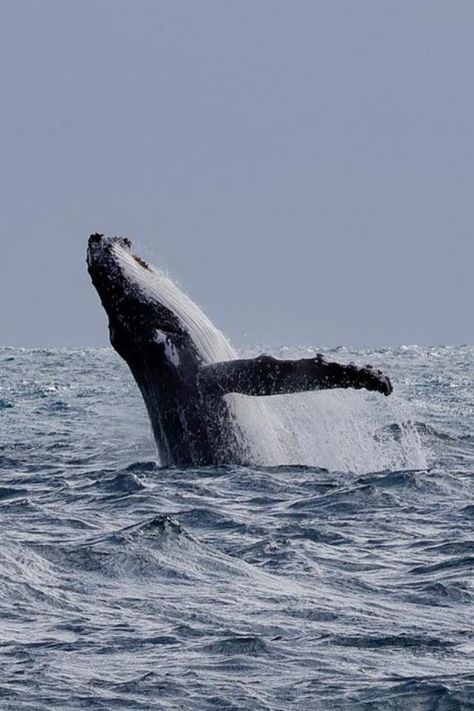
(304, 169)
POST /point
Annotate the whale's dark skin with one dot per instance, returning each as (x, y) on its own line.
(184, 390)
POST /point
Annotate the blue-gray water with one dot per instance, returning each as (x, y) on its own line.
(344, 583)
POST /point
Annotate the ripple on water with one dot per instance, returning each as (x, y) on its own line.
(341, 583)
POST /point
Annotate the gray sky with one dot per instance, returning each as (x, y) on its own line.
(304, 169)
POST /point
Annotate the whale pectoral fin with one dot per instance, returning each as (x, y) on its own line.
(266, 375)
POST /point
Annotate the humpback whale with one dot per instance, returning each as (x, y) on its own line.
(203, 401)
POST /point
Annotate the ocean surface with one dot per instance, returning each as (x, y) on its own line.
(338, 578)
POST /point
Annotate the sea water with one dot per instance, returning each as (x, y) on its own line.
(340, 577)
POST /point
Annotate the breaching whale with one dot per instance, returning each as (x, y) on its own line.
(195, 388)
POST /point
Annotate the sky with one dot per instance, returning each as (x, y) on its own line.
(304, 170)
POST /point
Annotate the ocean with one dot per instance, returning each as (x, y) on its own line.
(340, 577)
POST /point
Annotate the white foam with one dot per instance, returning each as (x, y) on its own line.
(348, 430)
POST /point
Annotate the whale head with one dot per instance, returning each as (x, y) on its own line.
(146, 310)
(138, 318)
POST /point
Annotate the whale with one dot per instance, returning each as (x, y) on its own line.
(205, 404)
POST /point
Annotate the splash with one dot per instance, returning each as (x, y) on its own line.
(347, 431)
(344, 430)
